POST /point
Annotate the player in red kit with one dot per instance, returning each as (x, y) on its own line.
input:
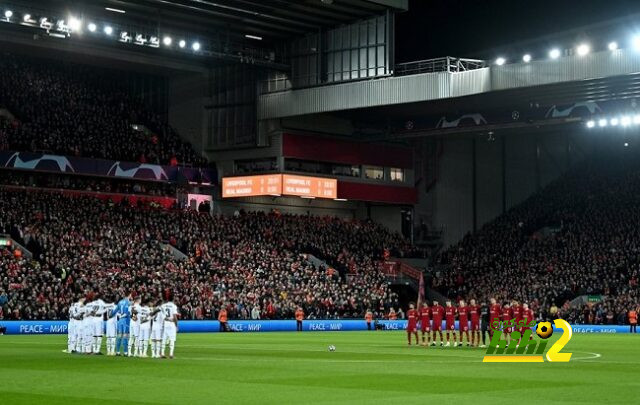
(527, 316)
(463, 321)
(517, 314)
(507, 315)
(474, 314)
(450, 321)
(425, 323)
(495, 313)
(437, 312)
(412, 318)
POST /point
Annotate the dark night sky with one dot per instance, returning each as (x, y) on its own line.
(484, 28)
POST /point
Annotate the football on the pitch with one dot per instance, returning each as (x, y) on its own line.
(332, 348)
(544, 330)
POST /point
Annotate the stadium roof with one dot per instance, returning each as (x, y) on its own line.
(269, 19)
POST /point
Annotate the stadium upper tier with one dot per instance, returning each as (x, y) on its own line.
(77, 110)
(83, 244)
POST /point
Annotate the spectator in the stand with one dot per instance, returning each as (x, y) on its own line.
(77, 110)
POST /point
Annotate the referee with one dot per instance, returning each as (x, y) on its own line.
(484, 322)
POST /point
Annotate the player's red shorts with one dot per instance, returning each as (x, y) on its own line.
(425, 326)
(451, 326)
(463, 326)
(507, 330)
(437, 326)
(411, 327)
(475, 326)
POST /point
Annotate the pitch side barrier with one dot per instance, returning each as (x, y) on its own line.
(60, 327)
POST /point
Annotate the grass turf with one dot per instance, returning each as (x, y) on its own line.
(284, 368)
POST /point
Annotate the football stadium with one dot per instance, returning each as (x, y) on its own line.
(319, 201)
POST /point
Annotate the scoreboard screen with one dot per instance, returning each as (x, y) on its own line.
(279, 184)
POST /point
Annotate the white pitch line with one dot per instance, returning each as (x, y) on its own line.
(592, 357)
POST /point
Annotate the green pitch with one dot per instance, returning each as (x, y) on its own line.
(286, 368)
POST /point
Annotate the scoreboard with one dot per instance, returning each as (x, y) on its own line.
(280, 184)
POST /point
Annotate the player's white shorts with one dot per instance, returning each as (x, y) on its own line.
(134, 328)
(145, 330)
(169, 332)
(156, 332)
(112, 327)
(72, 328)
(96, 322)
(87, 327)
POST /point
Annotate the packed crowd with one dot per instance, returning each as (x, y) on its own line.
(578, 236)
(77, 110)
(254, 264)
(86, 183)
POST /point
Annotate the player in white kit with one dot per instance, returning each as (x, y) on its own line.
(157, 327)
(134, 328)
(170, 311)
(98, 309)
(112, 328)
(144, 316)
(74, 330)
(87, 329)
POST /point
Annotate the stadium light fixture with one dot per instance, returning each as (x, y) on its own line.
(554, 53)
(340, 199)
(625, 121)
(8, 14)
(591, 124)
(182, 43)
(256, 37)
(626, 144)
(583, 49)
(195, 46)
(108, 30)
(602, 123)
(92, 27)
(500, 61)
(614, 122)
(115, 10)
(526, 58)
(613, 45)
(74, 24)
(26, 17)
(167, 41)
(635, 43)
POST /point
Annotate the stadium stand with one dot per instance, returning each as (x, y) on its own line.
(72, 109)
(577, 236)
(249, 260)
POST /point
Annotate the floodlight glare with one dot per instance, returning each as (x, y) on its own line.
(625, 121)
(602, 123)
(182, 43)
(554, 53)
(108, 30)
(26, 17)
(583, 49)
(196, 46)
(614, 122)
(613, 46)
(591, 124)
(526, 58)
(92, 27)
(8, 14)
(500, 61)
(626, 144)
(74, 24)
(636, 119)
(167, 41)
(635, 42)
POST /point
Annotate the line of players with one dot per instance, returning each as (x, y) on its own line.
(131, 325)
(474, 321)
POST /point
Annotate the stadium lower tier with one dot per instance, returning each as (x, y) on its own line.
(60, 327)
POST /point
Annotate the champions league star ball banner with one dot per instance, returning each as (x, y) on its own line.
(60, 327)
(103, 167)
